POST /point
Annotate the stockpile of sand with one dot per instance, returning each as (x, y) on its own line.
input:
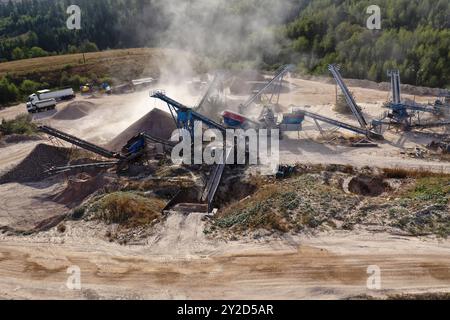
(33, 167)
(75, 110)
(156, 123)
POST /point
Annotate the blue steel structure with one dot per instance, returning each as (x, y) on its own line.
(400, 111)
(184, 116)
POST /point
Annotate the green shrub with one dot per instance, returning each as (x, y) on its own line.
(28, 87)
(36, 52)
(8, 92)
(127, 208)
(20, 125)
(436, 189)
(78, 213)
(17, 54)
(76, 81)
(88, 46)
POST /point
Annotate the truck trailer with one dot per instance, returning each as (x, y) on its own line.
(46, 100)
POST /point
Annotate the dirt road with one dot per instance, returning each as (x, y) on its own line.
(327, 266)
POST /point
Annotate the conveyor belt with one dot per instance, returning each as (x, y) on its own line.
(280, 73)
(341, 124)
(158, 140)
(214, 181)
(79, 142)
(431, 125)
(395, 86)
(195, 115)
(208, 92)
(56, 170)
(348, 97)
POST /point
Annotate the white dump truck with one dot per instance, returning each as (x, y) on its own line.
(46, 100)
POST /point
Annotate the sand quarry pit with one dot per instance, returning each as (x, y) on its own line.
(157, 123)
(178, 260)
(75, 110)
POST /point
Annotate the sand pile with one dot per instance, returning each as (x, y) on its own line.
(157, 123)
(33, 167)
(75, 110)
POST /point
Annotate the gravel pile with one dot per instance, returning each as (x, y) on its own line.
(75, 110)
(157, 123)
(33, 167)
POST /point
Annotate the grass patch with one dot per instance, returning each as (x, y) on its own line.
(292, 204)
(426, 207)
(127, 209)
(435, 189)
(260, 212)
(21, 125)
(419, 207)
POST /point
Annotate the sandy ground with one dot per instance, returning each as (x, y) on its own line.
(179, 262)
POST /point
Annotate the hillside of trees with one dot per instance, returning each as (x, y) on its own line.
(415, 34)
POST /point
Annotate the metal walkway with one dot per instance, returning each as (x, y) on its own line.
(348, 96)
(79, 142)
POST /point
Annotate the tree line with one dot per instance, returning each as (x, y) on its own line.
(414, 37)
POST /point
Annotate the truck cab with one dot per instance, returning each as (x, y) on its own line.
(31, 99)
(35, 104)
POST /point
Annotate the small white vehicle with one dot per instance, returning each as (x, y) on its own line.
(45, 100)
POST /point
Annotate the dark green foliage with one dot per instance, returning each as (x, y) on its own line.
(415, 38)
(8, 91)
(415, 34)
(28, 87)
(20, 125)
